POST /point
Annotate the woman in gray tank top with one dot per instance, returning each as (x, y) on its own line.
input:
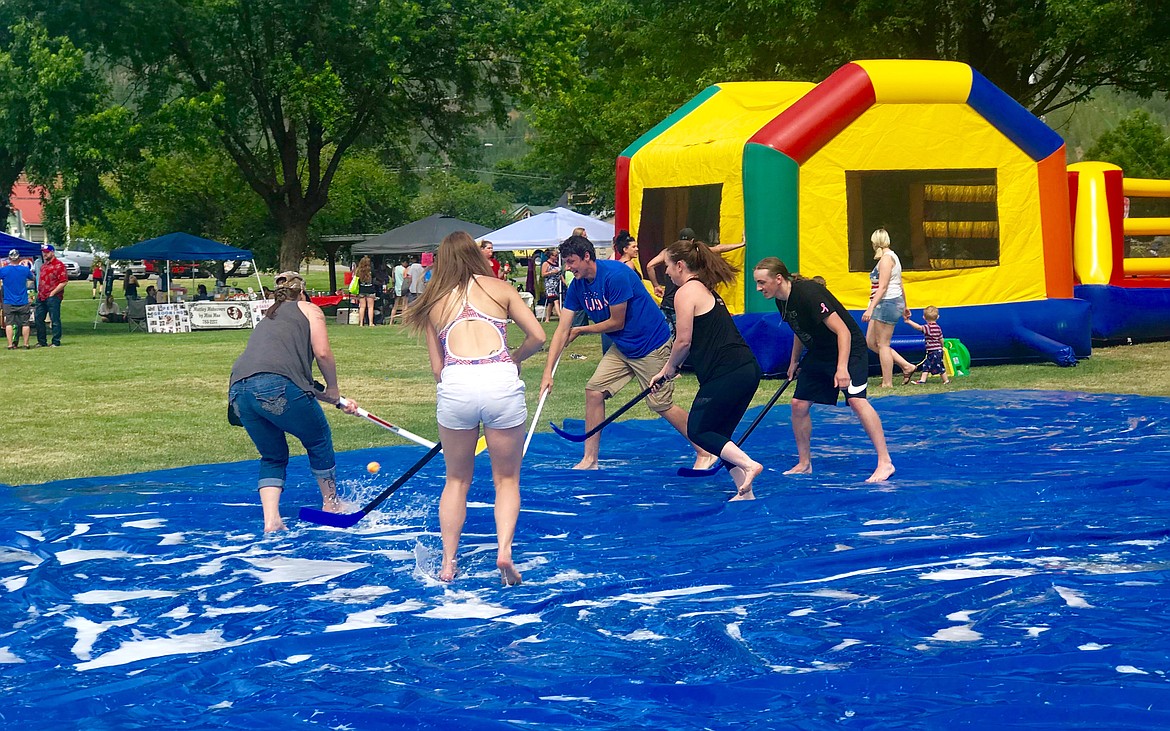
(271, 392)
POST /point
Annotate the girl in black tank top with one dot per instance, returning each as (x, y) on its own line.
(727, 369)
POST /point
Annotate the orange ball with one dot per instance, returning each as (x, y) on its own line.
(373, 468)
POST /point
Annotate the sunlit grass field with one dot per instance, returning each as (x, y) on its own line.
(112, 402)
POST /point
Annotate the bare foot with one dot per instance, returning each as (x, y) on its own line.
(801, 468)
(275, 526)
(331, 505)
(882, 473)
(705, 460)
(586, 464)
(509, 576)
(448, 571)
(743, 480)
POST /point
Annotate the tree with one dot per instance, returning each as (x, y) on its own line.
(641, 59)
(1138, 145)
(290, 86)
(46, 93)
(366, 197)
(523, 181)
(446, 193)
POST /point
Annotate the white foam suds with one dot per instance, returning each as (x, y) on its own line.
(113, 596)
(294, 659)
(1037, 631)
(559, 535)
(961, 633)
(134, 650)
(299, 571)
(738, 611)
(358, 595)
(77, 555)
(220, 706)
(567, 698)
(14, 583)
(841, 547)
(219, 612)
(885, 521)
(801, 612)
(638, 635)
(372, 617)
(464, 605)
(78, 529)
(734, 632)
(116, 516)
(546, 512)
(960, 574)
(181, 612)
(172, 539)
(519, 619)
(529, 640)
(843, 644)
(88, 631)
(964, 616)
(7, 658)
(832, 594)
(1072, 597)
(1146, 543)
(1130, 670)
(894, 532)
(36, 535)
(654, 597)
(1091, 646)
(148, 524)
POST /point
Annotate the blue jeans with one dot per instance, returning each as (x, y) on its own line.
(52, 306)
(270, 406)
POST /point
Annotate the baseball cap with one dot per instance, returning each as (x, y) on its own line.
(47, 247)
(290, 279)
(428, 258)
(13, 254)
(687, 234)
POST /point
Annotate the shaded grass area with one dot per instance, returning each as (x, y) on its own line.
(112, 402)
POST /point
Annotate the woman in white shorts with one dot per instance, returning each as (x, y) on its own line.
(887, 305)
(464, 313)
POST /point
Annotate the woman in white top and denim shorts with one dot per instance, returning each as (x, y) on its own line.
(887, 305)
(464, 312)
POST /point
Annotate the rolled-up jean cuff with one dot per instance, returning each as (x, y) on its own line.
(270, 482)
(328, 474)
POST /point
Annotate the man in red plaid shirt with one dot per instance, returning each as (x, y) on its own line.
(50, 292)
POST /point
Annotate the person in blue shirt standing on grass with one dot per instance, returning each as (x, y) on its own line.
(15, 277)
(619, 306)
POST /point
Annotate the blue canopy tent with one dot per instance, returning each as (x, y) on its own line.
(25, 247)
(181, 246)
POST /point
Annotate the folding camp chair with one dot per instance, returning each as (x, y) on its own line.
(136, 315)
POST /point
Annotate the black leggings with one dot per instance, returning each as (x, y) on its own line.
(719, 406)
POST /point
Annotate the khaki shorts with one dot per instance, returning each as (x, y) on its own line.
(615, 371)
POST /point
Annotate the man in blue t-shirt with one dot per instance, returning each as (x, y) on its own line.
(618, 305)
(15, 278)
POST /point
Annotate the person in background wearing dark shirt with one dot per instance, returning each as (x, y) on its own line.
(665, 292)
(836, 361)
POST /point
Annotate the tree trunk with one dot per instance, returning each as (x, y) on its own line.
(294, 242)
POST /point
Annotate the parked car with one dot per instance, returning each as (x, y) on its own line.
(137, 268)
(72, 268)
(83, 258)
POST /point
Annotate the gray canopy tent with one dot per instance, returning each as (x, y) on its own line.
(420, 236)
(181, 246)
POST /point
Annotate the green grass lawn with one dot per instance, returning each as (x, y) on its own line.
(112, 402)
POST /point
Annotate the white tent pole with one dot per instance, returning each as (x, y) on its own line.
(256, 271)
(167, 280)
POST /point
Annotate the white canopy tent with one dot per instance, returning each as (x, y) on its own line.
(549, 229)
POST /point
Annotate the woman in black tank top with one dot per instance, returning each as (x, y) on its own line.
(727, 369)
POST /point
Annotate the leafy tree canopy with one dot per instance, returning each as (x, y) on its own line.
(290, 86)
(446, 193)
(641, 59)
(1138, 145)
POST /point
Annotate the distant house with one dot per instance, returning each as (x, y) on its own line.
(27, 219)
(526, 211)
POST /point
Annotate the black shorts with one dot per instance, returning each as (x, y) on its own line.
(816, 381)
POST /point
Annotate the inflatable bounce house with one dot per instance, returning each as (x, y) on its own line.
(1130, 295)
(972, 187)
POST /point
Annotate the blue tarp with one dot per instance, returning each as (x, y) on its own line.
(1013, 574)
(180, 247)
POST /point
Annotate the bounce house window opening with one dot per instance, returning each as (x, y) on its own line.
(937, 219)
(666, 211)
(1139, 247)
